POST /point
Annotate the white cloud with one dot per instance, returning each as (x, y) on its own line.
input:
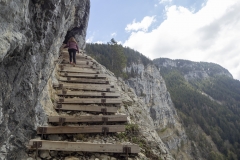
(99, 42)
(113, 34)
(211, 34)
(90, 39)
(165, 1)
(143, 25)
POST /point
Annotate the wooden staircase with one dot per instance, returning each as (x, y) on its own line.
(83, 88)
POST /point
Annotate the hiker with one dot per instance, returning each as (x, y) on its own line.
(72, 49)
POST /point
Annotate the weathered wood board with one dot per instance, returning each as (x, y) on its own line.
(81, 146)
(83, 80)
(83, 75)
(88, 108)
(78, 70)
(90, 118)
(80, 129)
(87, 94)
(90, 100)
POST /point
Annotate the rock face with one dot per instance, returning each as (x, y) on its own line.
(31, 33)
(150, 86)
(193, 70)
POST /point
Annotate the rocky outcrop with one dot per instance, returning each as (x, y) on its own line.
(31, 33)
(149, 85)
(193, 70)
(138, 113)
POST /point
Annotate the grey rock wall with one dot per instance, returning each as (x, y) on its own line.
(150, 85)
(31, 33)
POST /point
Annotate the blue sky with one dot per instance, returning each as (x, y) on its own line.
(112, 16)
(199, 30)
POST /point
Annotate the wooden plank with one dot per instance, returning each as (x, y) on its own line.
(79, 62)
(90, 118)
(79, 129)
(92, 87)
(83, 75)
(78, 70)
(87, 94)
(89, 108)
(81, 146)
(77, 85)
(93, 66)
(90, 100)
(83, 80)
(78, 56)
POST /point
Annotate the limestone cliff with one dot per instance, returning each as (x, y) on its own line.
(31, 33)
(150, 86)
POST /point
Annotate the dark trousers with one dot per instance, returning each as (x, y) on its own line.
(72, 55)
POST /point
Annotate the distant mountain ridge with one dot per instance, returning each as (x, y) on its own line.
(193, 70)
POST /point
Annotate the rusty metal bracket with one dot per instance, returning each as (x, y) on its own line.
(59, 106)
(126, 150)
(64, 91)
(61, 100)
(36, 145)
(42, 131)
(104, 119)
(60, 86)
(62, 67)
(61, 120)
(103, 100)
(105, 130)
(104, 110)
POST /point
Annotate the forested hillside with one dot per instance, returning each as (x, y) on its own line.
(211, 101)
(205, 95)
(115, 57)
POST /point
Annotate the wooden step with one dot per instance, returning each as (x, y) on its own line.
(77, 70)
(90, 100)
(88, 108)
(92, 87)
(82, 147)
(93, 66)
(80, 129)
(87, 94)
(78, 56)
(79, 62)
(89, 118)
(83, 75)
(83, 80)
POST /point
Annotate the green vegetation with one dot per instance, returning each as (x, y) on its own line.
(115, 57)
(219, 119)
(132, 134)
